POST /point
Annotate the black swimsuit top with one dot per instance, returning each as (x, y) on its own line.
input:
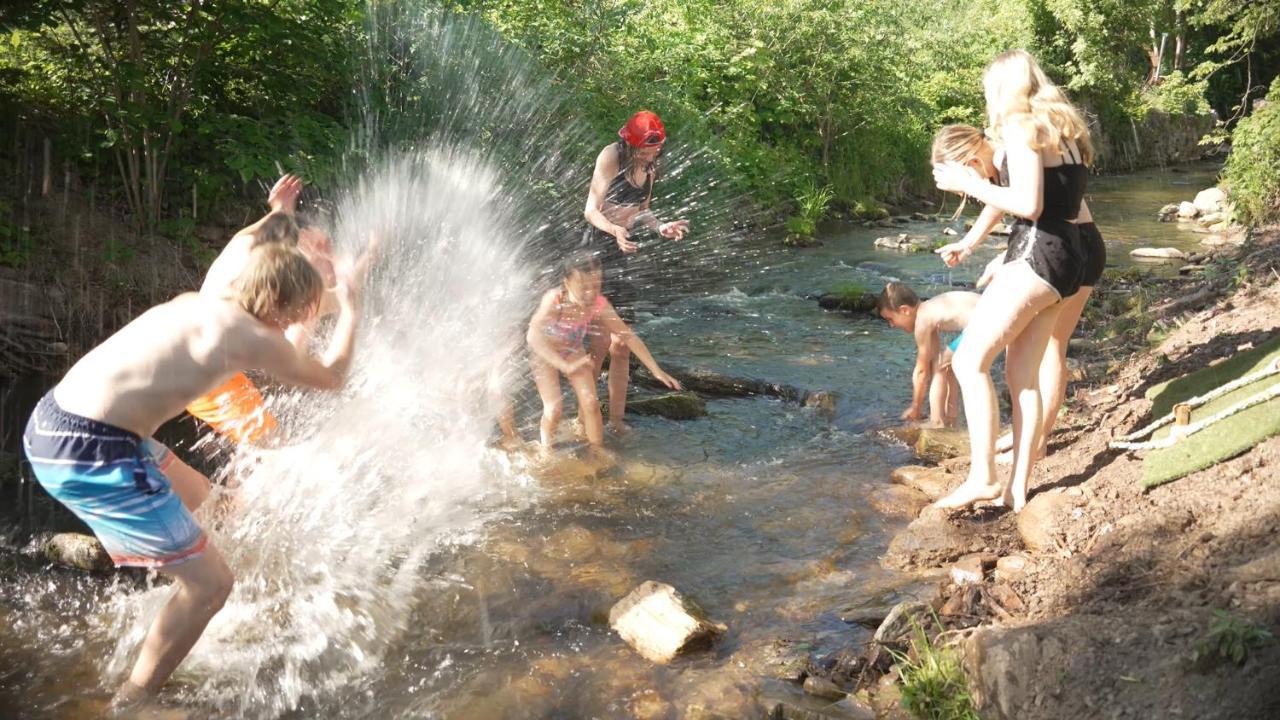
(1064, 187)
(622, 192)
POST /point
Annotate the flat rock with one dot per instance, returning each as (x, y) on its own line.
(660, 623)
(902, 242)
(823, 688)
(1187, 210)
(1040, 522)
(1158, 253)
(673, 406)
(937, 444)
(780, 658)
(1167, 213)
(932, 482)
(929, 541)
(971, 568)
(846, 709)
(850, 302)
(898, 500)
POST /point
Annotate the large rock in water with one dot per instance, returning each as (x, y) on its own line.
(1210, 200)
(1157, 254)
(851, 302)
(898, 500)
(76, 550)
(903, 242)
(660, 623)
(673, 406)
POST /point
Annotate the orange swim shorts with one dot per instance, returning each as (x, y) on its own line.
(235, 410)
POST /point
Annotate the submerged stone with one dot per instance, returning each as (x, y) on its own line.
(938, 444)
(673, 406)
(660, 623)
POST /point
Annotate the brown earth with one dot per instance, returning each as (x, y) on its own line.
(1112, 615)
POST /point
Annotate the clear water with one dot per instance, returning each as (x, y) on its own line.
(391, 563)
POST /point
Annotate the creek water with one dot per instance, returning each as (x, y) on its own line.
(391, 562)
(481, 587)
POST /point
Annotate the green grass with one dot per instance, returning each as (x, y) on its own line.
(1224, 439)
(933, 683)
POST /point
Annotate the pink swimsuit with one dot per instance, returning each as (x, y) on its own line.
(574, 333)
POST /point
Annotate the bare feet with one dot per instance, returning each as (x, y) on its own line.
(618, 428)
(133, 702)
(970, 491)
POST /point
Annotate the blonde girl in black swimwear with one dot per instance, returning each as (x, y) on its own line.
(621, 190)
(967, 145)
(557, 333)
(1047, 147)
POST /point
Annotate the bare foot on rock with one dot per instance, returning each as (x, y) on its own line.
(971, 491)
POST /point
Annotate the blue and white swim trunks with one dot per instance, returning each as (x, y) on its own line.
(114, 481)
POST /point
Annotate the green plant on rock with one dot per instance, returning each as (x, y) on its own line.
(933, 683)
(1230, 638)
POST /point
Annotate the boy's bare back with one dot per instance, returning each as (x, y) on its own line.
(946, 312)
(147, 372)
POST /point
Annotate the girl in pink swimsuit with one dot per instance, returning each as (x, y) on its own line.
(565, 318)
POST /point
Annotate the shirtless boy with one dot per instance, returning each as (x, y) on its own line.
(89, 439)
(947, 312)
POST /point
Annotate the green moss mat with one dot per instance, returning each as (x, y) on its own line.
(1224, 439)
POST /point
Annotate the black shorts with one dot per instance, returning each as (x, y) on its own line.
(1094, 251)
(617, 283)
(1052, 249)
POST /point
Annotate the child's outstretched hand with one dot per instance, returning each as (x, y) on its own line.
(674, 230)
(667, 380)
(623, 237)
(284, 194)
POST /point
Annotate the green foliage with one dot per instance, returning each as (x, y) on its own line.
(811, 206)
(1230, 638)
(933, 683)
(850, 292)
(1176, 95)
(1251, 171)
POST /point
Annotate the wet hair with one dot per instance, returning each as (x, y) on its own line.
(581, 261)
(278, 281)
(279, 228)
(1020, 94)
(626, 156)
(894, 296)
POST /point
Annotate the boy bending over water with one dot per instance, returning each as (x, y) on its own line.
(948, 312)
(556, 335)
(89, 439)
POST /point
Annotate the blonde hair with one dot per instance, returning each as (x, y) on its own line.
(957, 143)
(276, 227)
(279, 281)
(1020, 94)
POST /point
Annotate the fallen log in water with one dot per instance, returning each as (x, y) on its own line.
(707, 382)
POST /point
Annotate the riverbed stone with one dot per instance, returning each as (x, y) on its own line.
(673, 406)
(849, 302)
(1210, 200)
(778, 658)
(823, 688)
(1147, 253)
(932, 482)
(1167, 213)
(660, 623)
(76, 550)
(1011, 567)
(929, 541)
(898, 500)
(1040, 521)
(971, 568)
(937, 444)
(1187, 210)
(902, 242)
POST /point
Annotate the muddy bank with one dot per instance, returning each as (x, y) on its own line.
(1115, 601)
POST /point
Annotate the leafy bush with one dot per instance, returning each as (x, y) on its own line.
(1176, 95)
(933, 684)
(1230, 638)
(1250, 174)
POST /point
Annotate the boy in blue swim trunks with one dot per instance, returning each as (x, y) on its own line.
(927, 321)
(89, 439)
